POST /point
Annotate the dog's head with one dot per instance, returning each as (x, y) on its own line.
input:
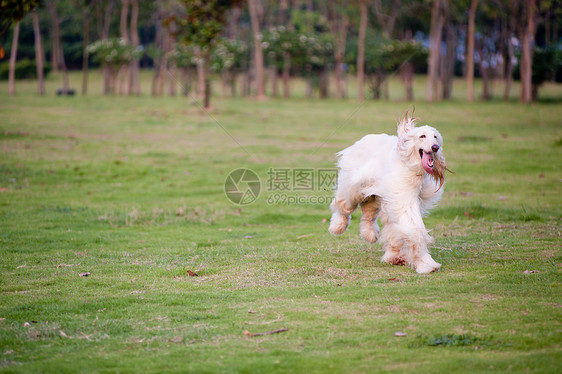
(421, 148)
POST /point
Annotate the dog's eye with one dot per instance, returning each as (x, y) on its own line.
(422, 136)
(435, 136)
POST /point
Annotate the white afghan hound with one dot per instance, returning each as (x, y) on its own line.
(397, 179)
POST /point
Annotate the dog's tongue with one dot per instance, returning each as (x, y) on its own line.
(427, 162)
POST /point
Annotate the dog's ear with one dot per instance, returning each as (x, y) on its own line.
(405, 125)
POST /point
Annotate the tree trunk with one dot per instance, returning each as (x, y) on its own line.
(58, 51)
(338, 23)
(508, 68)
(527, 43)
(274, 81)
(286, 75)
(483, 73)
(200, 73)
(432, 87)
(207, 69)
(55, 35)
(13, 57)
(258, 54)
(323, 79)
(535, 92)
(470, 52)
(134, 69)
(38, 53)
(123, 74)
(407, 75)
(361, 52)
(108, 79)
(86, 31)
(233, 22)
(449, 60)
(172, 78)
(186, 81)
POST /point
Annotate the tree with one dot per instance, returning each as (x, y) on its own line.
(338, 20)
(57, 53)
(361, 51)
(449, 58)
(123, 73)
(134, 69)
(112, 54)
(11, 13)
(104, 23)
(13, 54)
(470, 51)
(435, 34)
(527, 41)
(545, 63)
(86, 41)
(39, 58)
(200, 26)
(387, 18)
(258, 54)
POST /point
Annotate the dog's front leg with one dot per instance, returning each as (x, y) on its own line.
(406, 238)
(419, 256)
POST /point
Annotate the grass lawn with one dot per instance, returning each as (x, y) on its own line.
(130, 190)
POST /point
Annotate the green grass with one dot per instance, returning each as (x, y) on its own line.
(130, 189)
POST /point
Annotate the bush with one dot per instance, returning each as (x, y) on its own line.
(25, 69)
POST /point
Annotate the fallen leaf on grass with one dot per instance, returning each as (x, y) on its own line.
(468, 215)
(64, 335)
(3, 189)
(530, 271)
(394, 279)
(192, 274)
(26, 324)
(304, 236)
(86, 274)
(251, 312)
(249, 334)
(400, 333)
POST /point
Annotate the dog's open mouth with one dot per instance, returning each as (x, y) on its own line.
(427, 161)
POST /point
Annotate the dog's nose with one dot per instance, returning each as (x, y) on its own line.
(434, 147)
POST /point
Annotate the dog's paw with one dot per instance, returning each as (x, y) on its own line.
(426, 268)
(368, 231)
(338, 224)
(393, 258)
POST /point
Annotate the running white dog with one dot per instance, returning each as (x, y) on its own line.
(397, 179)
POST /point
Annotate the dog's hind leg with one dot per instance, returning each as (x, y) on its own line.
(393, 251)
(342, 210)
(368, 226)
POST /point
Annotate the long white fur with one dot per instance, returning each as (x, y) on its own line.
(384, 174)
